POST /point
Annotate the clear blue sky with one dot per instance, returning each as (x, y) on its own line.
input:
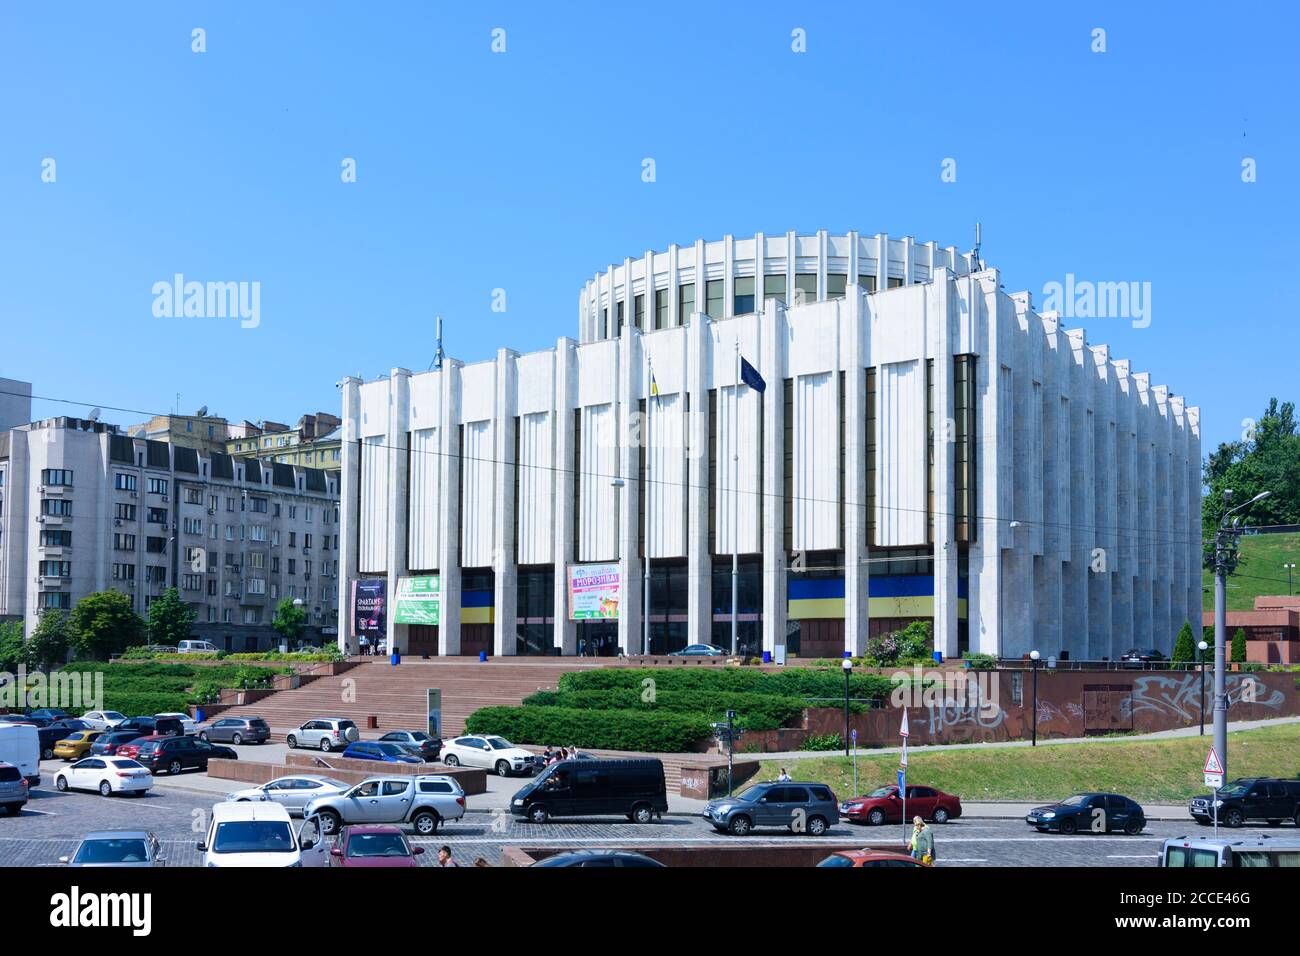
(523, 171)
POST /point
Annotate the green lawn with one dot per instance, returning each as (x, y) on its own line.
(1259, 571)
(1153, 771)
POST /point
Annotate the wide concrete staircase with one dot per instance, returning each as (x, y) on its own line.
(395, 696)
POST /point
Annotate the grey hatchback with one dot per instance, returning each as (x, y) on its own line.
(13, 789)
(800, 807)
(237, 730)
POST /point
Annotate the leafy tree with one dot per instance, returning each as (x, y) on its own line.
(13, 647)
(1184, 646)
(170, 619)
(1266, 459)
(104, 623)
(289, 620)
(50, 641)
(1239, 646)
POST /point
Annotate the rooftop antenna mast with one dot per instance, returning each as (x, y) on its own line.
(438, 353)
(975, 253)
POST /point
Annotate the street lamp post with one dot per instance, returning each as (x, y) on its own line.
(1033, 717)
(1290, 566)
(1200, 658)
(847, 666)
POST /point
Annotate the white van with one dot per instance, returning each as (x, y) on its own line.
(196, 647)
(20, 745)
(261, 834)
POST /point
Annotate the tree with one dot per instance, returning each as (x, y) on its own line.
(50, 641)
(1184, 646)
(1266, 459)
(1239, 646)
(104, 623)
(289, 620)
(170, 619)
(13, 646)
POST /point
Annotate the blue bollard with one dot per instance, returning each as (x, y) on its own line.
(767, 657)
(482, 656)
(396, 658)
(938, 657)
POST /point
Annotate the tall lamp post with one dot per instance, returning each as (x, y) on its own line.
(846, 665)
(1202, 647)
(1290, 566)
(1033, 717)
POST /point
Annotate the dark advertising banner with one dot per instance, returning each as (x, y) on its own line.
(369, 611)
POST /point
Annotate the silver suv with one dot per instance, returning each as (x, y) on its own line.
(423, 802)
(324, 733)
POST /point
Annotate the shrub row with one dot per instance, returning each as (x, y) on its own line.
(659, 732)
(800, 682)
(757, 711)
(141, 689)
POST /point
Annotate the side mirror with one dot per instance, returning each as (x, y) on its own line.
(416, 850)
(201, 847)
(336, 852)
(63, 859)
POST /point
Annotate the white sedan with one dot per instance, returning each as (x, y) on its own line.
(189, 725)
(491, 753)
(102, 719)
(293, 792)
(108, 775)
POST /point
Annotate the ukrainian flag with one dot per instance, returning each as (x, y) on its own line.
(813, 598)
(476, 607)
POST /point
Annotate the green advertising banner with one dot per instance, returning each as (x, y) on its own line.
(419, 600)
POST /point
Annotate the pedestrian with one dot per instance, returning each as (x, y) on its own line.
(547, 755)
(785, 776)
(444, 857)
(922, 842)
(365, 645)
(582, 647)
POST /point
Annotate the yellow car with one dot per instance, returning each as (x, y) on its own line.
(76, 745)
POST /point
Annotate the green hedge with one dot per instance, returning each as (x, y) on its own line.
(800, 682)
(659, 732)
(150, 688)
(757, 711)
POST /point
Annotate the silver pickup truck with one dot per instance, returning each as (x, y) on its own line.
(423, 802)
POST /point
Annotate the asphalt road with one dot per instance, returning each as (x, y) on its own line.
(52, 822)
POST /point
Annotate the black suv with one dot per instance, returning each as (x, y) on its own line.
(174, 754)
(1251, 798)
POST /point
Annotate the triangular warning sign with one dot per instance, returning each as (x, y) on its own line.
(903, 730)
(1212, 764)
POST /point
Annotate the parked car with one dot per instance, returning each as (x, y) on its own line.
(13, 789)
(324, 733)
(20, 745)
(801, 807)
(109, 742)
(1250, 798)
(376, 750)
(293, 792)
(131, 748)
(429, 747)
(1089, 813)
(48, 713)
(175, 755)
(1136, 657)
(884, 805)
(699, 650)
(188, 724)
(261, 834)
(116, 848)
(76, 745)
(53, 731)
(490, 752)
(600, 858)
(575, 788)
(102, 719)
(196, 647)
(423, 802)
(21, 719)
(108, 775)
(166, 726)
(237, 730)
(869, 858)
(374, 846)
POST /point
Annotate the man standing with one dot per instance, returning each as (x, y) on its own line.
(444, 857)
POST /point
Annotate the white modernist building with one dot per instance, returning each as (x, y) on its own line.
(925, 446)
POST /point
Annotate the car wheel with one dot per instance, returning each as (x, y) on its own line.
(740, 825)
(1133, 827)
(642, 814)
(426, 823)
(325, 745)
(329, 822)
(1233, 818)
(292, 741)
(47, 753)
(237, 739)
(61, 784)
(204, 737)
(503, 768)
(876, 817)
(105, 788)
(1068, 826)
(538, 814)
(451, 761)
(816, 826)
(940, 815)
(174, 768)
(13, 809)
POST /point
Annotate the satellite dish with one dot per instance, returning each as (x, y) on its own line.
(201, 412)
(93, 415)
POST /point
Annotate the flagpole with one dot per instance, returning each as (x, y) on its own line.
(645, 558)
(735, 497)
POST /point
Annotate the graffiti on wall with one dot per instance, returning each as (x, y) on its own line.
(1179, 696)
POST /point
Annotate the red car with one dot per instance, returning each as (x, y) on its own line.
(870, 858)
(365, 845)
(884, 806)
(131, 748)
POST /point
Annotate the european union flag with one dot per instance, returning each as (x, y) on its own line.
(749, 375)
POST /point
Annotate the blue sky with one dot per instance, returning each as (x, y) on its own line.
(522, 171)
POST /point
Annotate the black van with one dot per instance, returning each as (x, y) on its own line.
(584, 788)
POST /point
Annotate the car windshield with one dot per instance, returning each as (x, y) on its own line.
(377, 844)
(126, 764)
(391, 750)
(752, 794)
(253, 836)
(331, 782)
(112, 851)
(882, 792)
(1075, 801)
(1235, 789)
(113, 715)
(345, 724)
(419, 735)
(499, 743)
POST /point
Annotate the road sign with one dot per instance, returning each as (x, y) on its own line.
(854, 734)
(902, 780)
(903, 730)
(1212, 764)
(1214, 781)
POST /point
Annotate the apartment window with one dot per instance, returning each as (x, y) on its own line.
(192, 582)
(123, 511)
(774, 287)
(196, 558)
(192, 525)
(661, 308)
(124, 482)
(212, 615)
(713, 290)
(308, 515)
(275, 564)
(124, 542)
(156, 516)
(306, 541)
(836, 285)
(56, 569)
(293, 539)
(157, 486)
(604, 323)
(251, 615)
(275, 537)
(293, 566)
(256, 585)
(56, 476)
(894, 283)
(867, 283)
(638, 312)
(685, 302)
(805, 288)
(275, 510)
(743, 295)
(155, 545)
(155, 575)
(214, 502)
(124, 572)
(56, 600)
(56, 539)
(293, 512)
(228, 616)
(257, 505)
(230, 504)
(230, 532)
(214, 530)
(194, 496)
(56, 506)
(618, 318)
(257, 532)
(257, 559)
(275, 590)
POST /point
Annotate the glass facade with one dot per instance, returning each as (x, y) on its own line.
(743, 296)
(713, 293)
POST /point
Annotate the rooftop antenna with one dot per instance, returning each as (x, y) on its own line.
(975, 253)
(438, 353)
